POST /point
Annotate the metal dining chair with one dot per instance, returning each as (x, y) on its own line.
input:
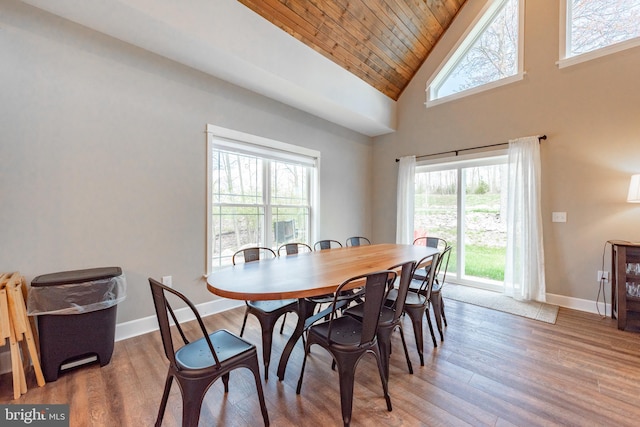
(417, 302)
(294, 248)
(348, 339)
(390, 315)
(436, 293)
(267, 312)
(326, 244)
(357, 241)
(197, 364)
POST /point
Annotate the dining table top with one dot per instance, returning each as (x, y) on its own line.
(309, 274)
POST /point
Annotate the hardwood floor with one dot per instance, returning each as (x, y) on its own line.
(493, 369)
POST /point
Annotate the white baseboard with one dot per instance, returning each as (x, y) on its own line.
(144, 325)
(579, 304)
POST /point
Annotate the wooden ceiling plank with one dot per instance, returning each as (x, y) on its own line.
(432, 26)
(353, 26)
(331, 28)
(393, 25)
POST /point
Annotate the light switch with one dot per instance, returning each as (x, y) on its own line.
(559, 217)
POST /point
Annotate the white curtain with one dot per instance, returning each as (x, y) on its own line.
(524, 271)
(405, 200)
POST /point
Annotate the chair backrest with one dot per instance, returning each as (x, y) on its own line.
(427, 283)
(406, 274)
(326, 244)
(431, 242)
(444, 260)
(253, 254)
(357, 241)
(294, 248)
(163, 310)
(373, 292)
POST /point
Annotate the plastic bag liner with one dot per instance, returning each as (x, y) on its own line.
(76, 292)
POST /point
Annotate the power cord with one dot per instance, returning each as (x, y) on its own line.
(601, 289)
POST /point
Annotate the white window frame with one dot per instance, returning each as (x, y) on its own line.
(565, 41)
(485, 158)
(241, 142)
(464, 42)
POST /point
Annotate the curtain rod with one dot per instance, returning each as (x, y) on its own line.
(540, 138)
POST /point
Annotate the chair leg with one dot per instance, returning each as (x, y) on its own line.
(304, 364)
(346, 374)
(444, 318)
(165, 397)
(385, 385)
(406, 351)
(416, 319)
(384, 345)
(267, 325)
(284, 320)
(193, 392)
(433, 335)
(225, 381)
(244, 321)
(437, 313)
(255, 369)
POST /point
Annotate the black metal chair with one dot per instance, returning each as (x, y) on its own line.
(357, 241)
(326, 244)
(294, 248)
(390, 316)
(437, 302)
(267, 312)
(417, 302)
(198, 364)
(348, 339)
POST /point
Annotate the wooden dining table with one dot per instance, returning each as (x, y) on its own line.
(307, 275)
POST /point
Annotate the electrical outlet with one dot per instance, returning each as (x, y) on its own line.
(167, 281)
(603, 275)
(558, 217)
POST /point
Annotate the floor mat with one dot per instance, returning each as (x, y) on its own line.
(497, 301)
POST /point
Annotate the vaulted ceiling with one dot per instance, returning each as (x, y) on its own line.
(383, 42)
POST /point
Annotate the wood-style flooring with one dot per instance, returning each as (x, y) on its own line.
(492, 369)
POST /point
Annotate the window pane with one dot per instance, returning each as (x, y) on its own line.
(596, 23)
(436, 208)
(485, 234)
(493, 56)
(289, 185)
(290, 224)
(235, 227)
(237, 178)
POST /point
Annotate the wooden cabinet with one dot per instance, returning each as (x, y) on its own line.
(625, 284)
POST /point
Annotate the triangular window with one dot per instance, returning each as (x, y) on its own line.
(490, 54)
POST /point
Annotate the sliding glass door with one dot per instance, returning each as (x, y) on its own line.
(463, 202)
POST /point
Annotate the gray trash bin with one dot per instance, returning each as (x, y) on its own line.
(76, 316)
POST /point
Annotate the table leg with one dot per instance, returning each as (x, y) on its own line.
(305, 310)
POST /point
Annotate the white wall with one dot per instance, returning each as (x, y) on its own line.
(591, 114)
(103, 145)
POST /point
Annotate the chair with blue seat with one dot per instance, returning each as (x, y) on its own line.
(197, 364)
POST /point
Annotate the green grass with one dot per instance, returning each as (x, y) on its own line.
(484, 262)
